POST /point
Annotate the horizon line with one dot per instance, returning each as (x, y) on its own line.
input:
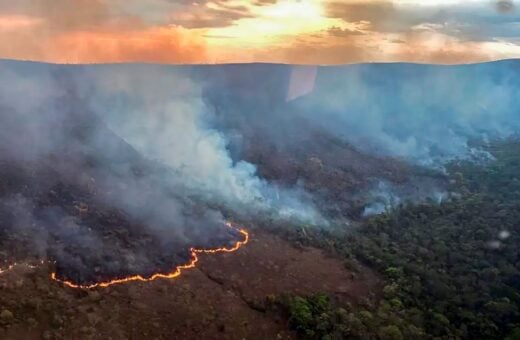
(255, 63)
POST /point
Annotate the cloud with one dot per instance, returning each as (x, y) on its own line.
(343, 32)
(379, 16)
(264, 2)
(62, 14)
(374, 12)
(158, 45)
(476, 21)
(86, 31)
(14, 22)
(193, 31)
(211, 15)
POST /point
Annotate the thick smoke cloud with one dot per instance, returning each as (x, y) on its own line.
(81, 195)
(426, 114)
(167, 153)
(104, 152)
(160, 111)
(394, 116)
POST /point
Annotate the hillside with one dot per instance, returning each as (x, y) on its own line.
(373, 196)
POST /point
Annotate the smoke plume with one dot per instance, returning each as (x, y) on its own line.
(426, 114)
(120, 172)
(120, 169)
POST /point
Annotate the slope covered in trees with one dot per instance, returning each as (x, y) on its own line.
(451, 270)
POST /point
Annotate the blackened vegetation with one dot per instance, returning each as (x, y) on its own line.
(451, 270)
(88, 201)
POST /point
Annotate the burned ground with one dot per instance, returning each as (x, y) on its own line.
(67, 205)
(219, 299)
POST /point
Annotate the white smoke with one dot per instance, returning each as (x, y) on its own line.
(161, 113)
(426, 114)
(385, 196)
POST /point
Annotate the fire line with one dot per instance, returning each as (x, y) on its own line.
(175, 273)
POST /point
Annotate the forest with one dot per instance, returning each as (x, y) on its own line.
(450, 270)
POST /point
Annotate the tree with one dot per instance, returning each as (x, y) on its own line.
(390, 332)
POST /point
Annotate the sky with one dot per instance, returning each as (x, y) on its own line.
(282, 31)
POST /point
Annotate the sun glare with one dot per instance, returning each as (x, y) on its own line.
(294, 9)
(280, 20)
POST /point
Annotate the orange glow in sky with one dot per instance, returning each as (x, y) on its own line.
(287, 31)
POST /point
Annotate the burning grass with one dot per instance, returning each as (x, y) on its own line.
(171, 275)
(176, 272)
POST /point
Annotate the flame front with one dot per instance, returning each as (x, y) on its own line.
(175, 273)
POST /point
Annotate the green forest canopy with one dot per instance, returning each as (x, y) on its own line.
(451, 270)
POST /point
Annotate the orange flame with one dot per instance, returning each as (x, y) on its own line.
(175, 273)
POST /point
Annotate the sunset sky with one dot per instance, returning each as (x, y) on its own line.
(287, 31)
